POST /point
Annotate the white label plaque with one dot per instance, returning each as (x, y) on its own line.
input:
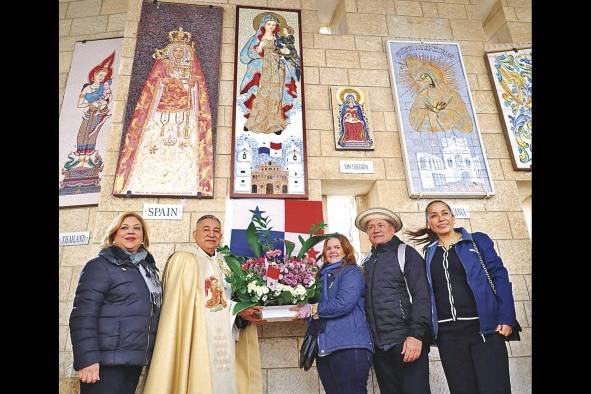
(356, 167)
(162, 211)
(461, 212)
(77, 238)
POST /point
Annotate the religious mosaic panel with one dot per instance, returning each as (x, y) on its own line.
(268, 135)
(351, 115)
(167, 147)
(441, 142)
(85, 120)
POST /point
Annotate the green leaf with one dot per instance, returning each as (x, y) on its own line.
(240, 306)
(289, 246)
(252, 238)
(285, 298)
(234, 262)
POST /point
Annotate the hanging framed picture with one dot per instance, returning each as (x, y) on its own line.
(268, 126)
(351, 115)
(441, 143)
(85, 120)
(511, 73)
(167, 146)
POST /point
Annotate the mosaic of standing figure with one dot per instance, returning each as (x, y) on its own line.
(167, 148)
(268, 134)
(85, 116)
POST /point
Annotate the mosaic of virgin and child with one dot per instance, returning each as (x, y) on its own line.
(269, 91)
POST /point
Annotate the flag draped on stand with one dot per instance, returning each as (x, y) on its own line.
(288, 219)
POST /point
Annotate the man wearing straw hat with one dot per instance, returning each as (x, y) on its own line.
(397, 305)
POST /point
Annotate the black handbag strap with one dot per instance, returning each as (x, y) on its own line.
(515, 332)
(492, 285)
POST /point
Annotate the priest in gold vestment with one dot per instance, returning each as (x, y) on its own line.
(199, 349)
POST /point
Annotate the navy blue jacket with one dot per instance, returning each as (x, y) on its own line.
(492, 310)
(391, 316)
(341, 308)
(113, 321)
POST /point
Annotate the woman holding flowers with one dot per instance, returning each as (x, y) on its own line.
(344, 341)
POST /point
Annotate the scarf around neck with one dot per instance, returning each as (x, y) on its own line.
(149, 274)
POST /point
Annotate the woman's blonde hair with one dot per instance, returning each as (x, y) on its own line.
(116, 223)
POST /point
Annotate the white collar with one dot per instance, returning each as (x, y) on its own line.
(204, 253)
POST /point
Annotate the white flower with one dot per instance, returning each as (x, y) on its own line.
(300, 290)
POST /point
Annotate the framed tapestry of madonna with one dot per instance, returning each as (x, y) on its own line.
(268, 125)
(167, 146)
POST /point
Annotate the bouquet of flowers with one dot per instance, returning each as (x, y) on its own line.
(272, 276)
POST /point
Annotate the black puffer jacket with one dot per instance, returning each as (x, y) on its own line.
(113, 321)
(390, 314)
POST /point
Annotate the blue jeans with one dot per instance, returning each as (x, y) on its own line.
(345, 371)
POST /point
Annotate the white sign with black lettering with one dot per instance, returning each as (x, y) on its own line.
(78, 238)
(163, 212)
(356, 167)
(461, 212)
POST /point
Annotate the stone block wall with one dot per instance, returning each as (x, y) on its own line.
(509, 21)
(357, 58)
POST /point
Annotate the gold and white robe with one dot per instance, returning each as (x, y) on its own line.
(196, 351)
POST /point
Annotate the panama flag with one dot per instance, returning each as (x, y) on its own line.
(263, 148)
(276, 149)
(287, 219)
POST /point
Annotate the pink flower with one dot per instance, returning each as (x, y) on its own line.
(273, 253)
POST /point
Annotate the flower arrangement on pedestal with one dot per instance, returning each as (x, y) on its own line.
(274, 277)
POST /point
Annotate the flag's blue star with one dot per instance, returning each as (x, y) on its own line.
(257, 213)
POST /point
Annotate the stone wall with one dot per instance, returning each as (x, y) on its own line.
(356, 58)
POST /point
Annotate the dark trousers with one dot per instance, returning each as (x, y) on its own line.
(115, 379)
(345, 371)
(397, 377)
(473, 366)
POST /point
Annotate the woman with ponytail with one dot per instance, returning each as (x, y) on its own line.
(472, 303)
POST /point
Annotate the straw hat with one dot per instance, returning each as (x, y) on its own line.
(377, 213)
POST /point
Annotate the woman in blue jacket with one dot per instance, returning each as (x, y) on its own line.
(345, 348)
(471, 301)
(116, 309)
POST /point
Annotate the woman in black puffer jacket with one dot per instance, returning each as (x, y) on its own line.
(116, 309)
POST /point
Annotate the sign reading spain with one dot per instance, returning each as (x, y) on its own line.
(161, 211)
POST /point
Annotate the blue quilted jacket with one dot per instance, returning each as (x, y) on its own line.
(492, 309)
(342, 309)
